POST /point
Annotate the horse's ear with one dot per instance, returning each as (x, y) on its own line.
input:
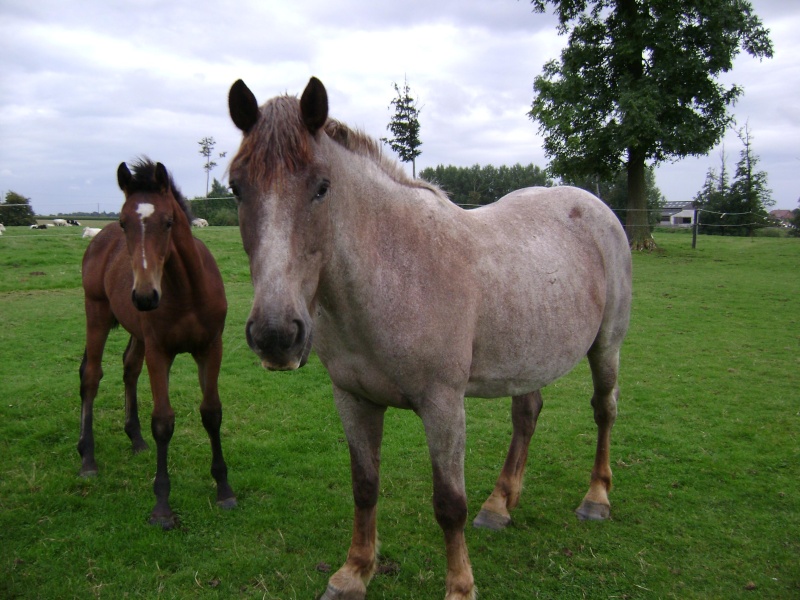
(314, 105)
(162, 177)
(243, 106)
(123, 176)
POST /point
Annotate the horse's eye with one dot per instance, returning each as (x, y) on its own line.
(322, 189)
(122, 225)
(235, 189)
(169, 224)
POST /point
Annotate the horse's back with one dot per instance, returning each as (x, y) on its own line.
(554, 267)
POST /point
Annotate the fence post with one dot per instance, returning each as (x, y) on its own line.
(694, 228)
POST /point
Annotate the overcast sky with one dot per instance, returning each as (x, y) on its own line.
(85, 85)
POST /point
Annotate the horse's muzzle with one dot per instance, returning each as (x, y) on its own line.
(281, 347)
(145, 302)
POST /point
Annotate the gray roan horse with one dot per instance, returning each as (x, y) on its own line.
(413, 302)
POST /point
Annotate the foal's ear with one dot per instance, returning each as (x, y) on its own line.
(162, 177)
(123, 176)
(243, 106)
(314, 105)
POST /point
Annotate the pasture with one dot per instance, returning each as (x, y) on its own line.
(705, 452)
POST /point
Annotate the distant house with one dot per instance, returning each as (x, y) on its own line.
(783, 217)
(677, 214)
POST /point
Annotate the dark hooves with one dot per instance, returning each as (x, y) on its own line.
(165, 522)
(491, 520)
(593, 511)
(335, 594)
(228, 503)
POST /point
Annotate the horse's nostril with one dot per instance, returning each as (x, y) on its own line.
(248, 334)
(299, 333)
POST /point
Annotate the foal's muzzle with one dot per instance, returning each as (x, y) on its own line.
(145, 302)
(283, 346)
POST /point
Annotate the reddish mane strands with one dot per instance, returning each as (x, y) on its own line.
(278, 141)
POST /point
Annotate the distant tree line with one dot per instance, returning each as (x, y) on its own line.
(477, 185)
(218, 207)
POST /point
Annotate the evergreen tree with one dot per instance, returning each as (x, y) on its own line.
(405, 127)
(749, 192)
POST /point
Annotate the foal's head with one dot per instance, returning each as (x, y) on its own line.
(152, 205)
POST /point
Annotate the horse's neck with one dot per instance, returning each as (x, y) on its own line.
(185, 262)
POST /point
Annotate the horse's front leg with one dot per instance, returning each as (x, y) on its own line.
(208, 365)
(132, 361)
(445, 430)
(363, 426)
(162, 425)
(524, 414)
(98, 324)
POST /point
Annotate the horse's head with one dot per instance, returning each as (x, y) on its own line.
(146, 219)
(281, 179)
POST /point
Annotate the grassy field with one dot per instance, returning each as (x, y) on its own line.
(706, 453)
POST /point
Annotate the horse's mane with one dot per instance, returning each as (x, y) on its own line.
(279, 141)
(144, 180)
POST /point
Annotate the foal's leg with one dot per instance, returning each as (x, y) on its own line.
(363, 426)
(98, 323)
(132, 361)
(208, 365)
(494, 512)
(162, 425)
(605, 366)
(445, 430)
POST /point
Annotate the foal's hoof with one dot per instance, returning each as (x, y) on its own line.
(165, 522)
(88, 472)
(491, 520)
(333, 593)
(228, 503)
(593, 511)
(139, 446)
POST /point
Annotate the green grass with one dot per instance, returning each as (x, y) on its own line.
(706, 453)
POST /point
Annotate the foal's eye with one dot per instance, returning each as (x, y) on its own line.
(322, 189)
(122, 225)
(168, 224)
(235, 190)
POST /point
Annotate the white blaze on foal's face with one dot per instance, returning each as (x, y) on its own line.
(144, 210)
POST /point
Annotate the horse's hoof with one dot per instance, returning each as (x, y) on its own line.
(228, 503)
(333, 593)
(593, 511)
(90, 472)
(165, 522)
(140, 446)
(491, 520)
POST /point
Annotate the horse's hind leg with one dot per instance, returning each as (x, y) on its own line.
(208, 367)
(132, 361)
(605, 366)
(98, 324)
(494, 513)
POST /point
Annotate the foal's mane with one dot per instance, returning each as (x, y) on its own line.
(144, 180)
(279, 142)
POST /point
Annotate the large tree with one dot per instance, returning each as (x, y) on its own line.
(638, 83)
(405, 127)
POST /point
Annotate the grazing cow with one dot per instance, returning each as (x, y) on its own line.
(199, 223)
(90, 232)
(35, 226)
(59, 223)
(2, 227)
(73, 222)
